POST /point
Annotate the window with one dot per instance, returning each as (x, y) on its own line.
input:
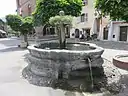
(82, 17)
(85, 2)
(113, 36)
(86, 17)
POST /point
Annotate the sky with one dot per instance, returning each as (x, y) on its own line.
(7, 7)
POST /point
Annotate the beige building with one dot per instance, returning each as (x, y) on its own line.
(25, 7)
(85, 22)
(117, 31)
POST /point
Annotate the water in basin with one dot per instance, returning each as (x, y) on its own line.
(69, 46)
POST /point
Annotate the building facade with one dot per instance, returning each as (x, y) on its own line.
(117, 31)
(85, 22)
(82, 24)
(25, 7)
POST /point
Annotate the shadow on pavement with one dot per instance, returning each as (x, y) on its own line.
(11, 49)
(9, 42)
(111, 45)
(124, 82)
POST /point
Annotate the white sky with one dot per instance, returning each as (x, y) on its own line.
(7, 7)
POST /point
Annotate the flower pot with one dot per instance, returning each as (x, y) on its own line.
(23, 44)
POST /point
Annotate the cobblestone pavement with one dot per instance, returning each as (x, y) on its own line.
(12, 62)
(112, 49)
(11, 65)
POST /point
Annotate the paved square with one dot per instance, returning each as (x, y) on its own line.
(12, 62)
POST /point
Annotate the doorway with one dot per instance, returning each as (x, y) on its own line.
(123, 33)
(86, 31)
(77, 33)
(105, 34)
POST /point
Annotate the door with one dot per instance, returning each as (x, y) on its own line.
(105, 37)
(77, 33)
(123, 33)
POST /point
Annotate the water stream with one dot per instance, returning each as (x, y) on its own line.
(91, 76)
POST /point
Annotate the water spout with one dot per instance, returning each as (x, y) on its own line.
(90, 69)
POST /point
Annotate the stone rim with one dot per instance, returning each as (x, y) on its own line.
(119, 63)
(98, 49)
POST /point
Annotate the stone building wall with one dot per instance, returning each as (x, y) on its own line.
(25, 7)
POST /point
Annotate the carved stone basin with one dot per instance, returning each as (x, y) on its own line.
(47, 61)
(121, 61)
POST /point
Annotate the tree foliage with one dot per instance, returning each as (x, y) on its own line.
(116, 9)
(49, 8)
(17, 23)
(67, 20)
(61, 21)
(27, 25)
(14, 21)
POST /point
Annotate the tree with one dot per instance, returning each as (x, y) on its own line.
(26, 27)
(12, 32)
(14, 21)
(61, 22)
(116, 9)
(23, 25)
(49, 8)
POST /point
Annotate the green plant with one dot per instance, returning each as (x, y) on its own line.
(60, 22)
(49, 8)
(23, 25)
(14, 21)
(57, 20)
(116, 9)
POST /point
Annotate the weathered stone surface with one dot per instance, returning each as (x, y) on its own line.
(51, 63)
(36, 79)
(77, 64)
(85, 72)
(46, 72)
(43, 67)
(44, 63)
(56, 54)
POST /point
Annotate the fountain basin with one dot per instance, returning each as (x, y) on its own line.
(46, 61)
(121, 61)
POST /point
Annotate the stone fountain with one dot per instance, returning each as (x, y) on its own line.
(48, 63)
